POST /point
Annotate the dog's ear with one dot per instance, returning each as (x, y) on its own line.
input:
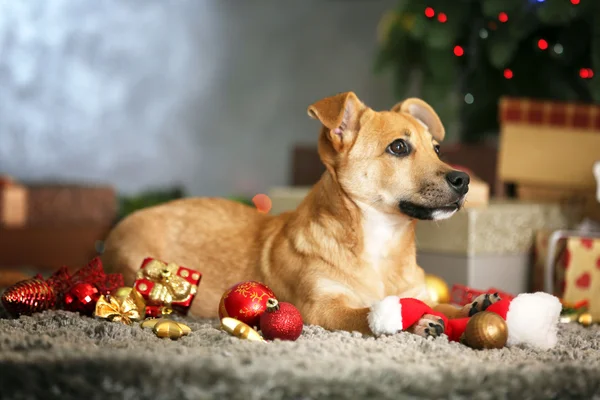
(339, 114)
(422, 111)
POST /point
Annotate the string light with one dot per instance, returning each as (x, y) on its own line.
(442, 17)
(575, 2)
(483, 33)
(508, 74)
(586, 73)
(558, 48)
(458, 51)
(503, 17)
(542, 44)
(469, 99)
(429, 12)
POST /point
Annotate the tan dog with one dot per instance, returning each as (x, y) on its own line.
(349, 245)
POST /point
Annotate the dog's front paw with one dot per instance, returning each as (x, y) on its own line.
(428, 326)
(481, 303)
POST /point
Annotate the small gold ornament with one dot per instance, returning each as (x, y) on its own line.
(485, 330)
(240, 330)
(168, 329)
(121, 292)
(438, 289)
(126, 309)
(585, 319)
(152, 323)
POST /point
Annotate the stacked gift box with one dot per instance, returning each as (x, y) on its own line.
(549, 151)
(46, 226)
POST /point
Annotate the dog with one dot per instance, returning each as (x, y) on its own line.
(349, 245)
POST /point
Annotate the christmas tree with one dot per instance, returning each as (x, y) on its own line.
(469, 53)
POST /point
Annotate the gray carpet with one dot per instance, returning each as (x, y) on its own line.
(60, 355)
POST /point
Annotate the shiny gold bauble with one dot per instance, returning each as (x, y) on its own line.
(585, 319)
(121, 292)
(486, 330)
(438, 289)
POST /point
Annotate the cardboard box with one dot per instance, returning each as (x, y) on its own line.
(549, 144)
(13, 203)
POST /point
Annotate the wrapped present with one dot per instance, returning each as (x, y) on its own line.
(461, 295)
(13, 203)
(60, 204)
(582, 276)
(548, 149)
(166, 285)
(540, 261)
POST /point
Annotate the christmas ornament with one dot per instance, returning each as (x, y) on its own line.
(167, 285)
(245, 302)
(485, 330)
(166, 328)
(81, 298)
(152, 323)
(121, 309)
(121, 292)
(158, 311)
(28, 297)
(37, 294)
(241, 330)
(437, 288)
(281, 321)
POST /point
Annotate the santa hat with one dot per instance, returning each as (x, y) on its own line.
(394, 314)
(531, 318)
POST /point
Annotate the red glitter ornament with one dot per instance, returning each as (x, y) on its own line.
(245, 301)
(28, 297)
(82, 298)
(281, 321)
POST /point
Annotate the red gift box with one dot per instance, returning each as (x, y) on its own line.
(462, 295)
(167, 285)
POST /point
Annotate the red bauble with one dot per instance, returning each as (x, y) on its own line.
(245, 302)
(28, 297)
(82, 298)
(281, 321)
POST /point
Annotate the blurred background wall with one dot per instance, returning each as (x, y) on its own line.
(208, 94)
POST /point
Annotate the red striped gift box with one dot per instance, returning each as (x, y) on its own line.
(550, 113)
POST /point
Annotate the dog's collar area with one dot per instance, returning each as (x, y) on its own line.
(416, 211)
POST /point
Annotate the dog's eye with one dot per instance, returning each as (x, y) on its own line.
(398, 148)
(436, 148)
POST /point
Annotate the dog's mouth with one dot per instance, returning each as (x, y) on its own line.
(418, 211)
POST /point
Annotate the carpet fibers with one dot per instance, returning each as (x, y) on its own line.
(61, 355)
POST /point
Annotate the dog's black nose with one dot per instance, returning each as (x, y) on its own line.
(459, 181)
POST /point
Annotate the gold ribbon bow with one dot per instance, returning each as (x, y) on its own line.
(122, 309)
(168, 286)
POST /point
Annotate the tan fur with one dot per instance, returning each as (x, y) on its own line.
(346, 246)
